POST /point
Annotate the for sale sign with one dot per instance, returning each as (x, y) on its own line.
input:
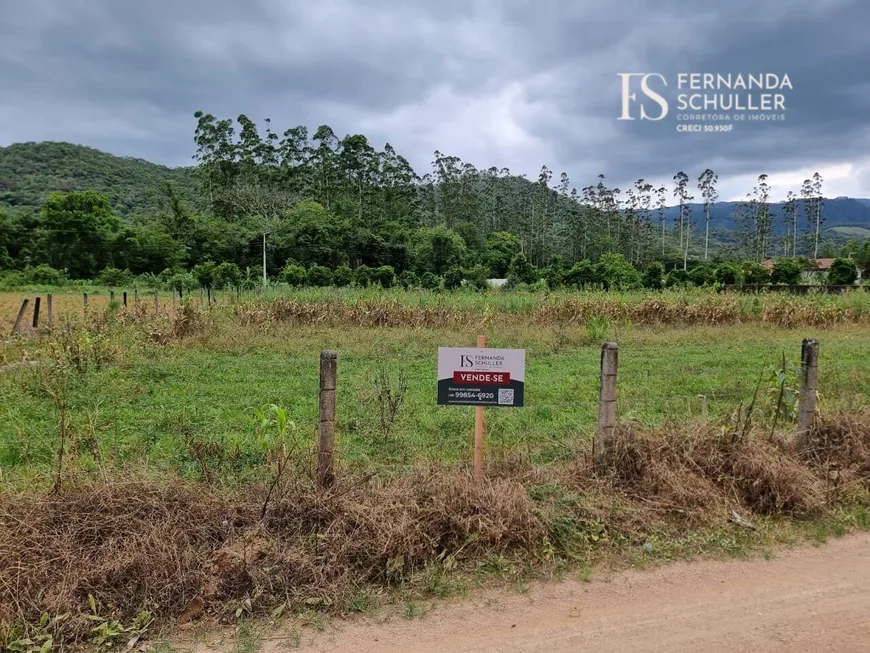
(481, 377)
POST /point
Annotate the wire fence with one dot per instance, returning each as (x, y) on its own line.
(253, 303)
(160, 410)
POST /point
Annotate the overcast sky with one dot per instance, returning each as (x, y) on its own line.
(512, 84)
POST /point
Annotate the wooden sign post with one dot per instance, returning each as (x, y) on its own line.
(479, 425)
(481, 377)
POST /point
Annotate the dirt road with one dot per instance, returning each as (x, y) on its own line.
(810, 599)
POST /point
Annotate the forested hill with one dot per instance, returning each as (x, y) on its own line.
(29, 172)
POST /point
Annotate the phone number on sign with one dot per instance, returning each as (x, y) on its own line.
(704, 128)
(473, 395)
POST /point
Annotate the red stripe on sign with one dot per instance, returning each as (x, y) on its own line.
(488, 378)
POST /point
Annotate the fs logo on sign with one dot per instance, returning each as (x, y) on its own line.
(628, 96)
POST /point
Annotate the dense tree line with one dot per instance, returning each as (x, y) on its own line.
(322, 210)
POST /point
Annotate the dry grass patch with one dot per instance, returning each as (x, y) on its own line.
(136, 545)
(183, 550)
(708, 471)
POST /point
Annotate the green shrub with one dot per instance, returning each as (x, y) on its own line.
(554, 278)
(408, 280)
(12, 279)
(597, 328)
(582, 274)
(114, 277)
(182, 282)
(842, 272)
(702, 275)
(520, 271)
(205, 273)
(364, 276)
(654, 275)
(294, 275)
(250, 279)
(227, 275)
(453, 277)
(478, 277)
(343, 276)
(554, 273)
(319, 276)
(678, 279)
(727, 273)
(430, 281)
(384, 276)
(787, 271)
(539, 286)
(755, 273)
(616, 273)
(45, 275)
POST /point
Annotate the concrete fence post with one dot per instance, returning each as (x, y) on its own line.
(809, 389)
(602, 446)
(111, 297)
(85, 302)
(326, 440)
(49, 310)
(125, 299)
(16, 328)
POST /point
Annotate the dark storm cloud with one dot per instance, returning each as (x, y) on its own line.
(821, 46)
(512, 83)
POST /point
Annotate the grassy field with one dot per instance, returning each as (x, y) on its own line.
(162, 403)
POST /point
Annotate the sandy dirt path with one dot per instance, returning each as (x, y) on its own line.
(807, 599)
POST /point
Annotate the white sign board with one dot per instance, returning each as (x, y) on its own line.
(481, 377)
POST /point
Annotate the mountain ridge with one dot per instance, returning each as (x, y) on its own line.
(838, 212)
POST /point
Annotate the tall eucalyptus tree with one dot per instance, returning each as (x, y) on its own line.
(707, 186)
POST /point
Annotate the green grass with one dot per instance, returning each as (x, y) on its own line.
(156, 401)
(247, 638)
